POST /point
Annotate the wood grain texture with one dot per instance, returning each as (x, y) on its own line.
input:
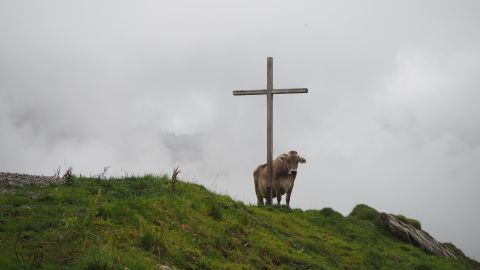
(274, 91)
(270, 125)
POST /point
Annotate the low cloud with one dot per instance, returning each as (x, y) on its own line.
(391, 118)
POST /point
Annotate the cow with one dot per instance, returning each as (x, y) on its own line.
(284, 174)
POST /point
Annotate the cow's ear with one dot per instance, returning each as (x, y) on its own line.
(301, 160)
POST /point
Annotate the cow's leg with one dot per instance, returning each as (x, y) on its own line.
(259, 195)
(289, 192)
(257, 191)
(259, 199)
(268, 197)
(279, 199)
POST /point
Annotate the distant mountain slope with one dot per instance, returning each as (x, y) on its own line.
(139, 223)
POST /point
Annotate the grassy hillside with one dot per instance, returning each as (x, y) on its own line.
(139, 223)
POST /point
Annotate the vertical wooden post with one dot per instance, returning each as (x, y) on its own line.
(269, 126)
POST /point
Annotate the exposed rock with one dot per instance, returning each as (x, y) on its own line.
(9, 182)
(416, 237)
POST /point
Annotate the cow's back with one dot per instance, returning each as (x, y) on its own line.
(260, 170)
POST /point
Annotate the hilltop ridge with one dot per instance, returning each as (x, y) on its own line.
(140, 223)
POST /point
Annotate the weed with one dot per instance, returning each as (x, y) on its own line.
(176, 172)
(68, 176)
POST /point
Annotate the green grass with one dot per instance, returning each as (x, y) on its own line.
(139, 223)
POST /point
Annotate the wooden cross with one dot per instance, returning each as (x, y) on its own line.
(269, 92)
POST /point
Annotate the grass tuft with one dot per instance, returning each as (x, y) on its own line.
(364, 212)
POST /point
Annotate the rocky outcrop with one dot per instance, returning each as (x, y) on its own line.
(9, 182)
(416, 237)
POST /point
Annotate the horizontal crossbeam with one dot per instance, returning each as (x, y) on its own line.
(274, 91)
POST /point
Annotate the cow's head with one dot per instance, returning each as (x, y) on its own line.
(291, 161)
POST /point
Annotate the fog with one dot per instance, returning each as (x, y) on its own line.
(391, 118)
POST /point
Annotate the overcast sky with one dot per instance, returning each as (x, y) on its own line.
(391, 118)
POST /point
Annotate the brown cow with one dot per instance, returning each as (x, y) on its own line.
(284, 173)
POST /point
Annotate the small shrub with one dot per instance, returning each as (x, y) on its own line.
(68, 176)
(364, 212)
